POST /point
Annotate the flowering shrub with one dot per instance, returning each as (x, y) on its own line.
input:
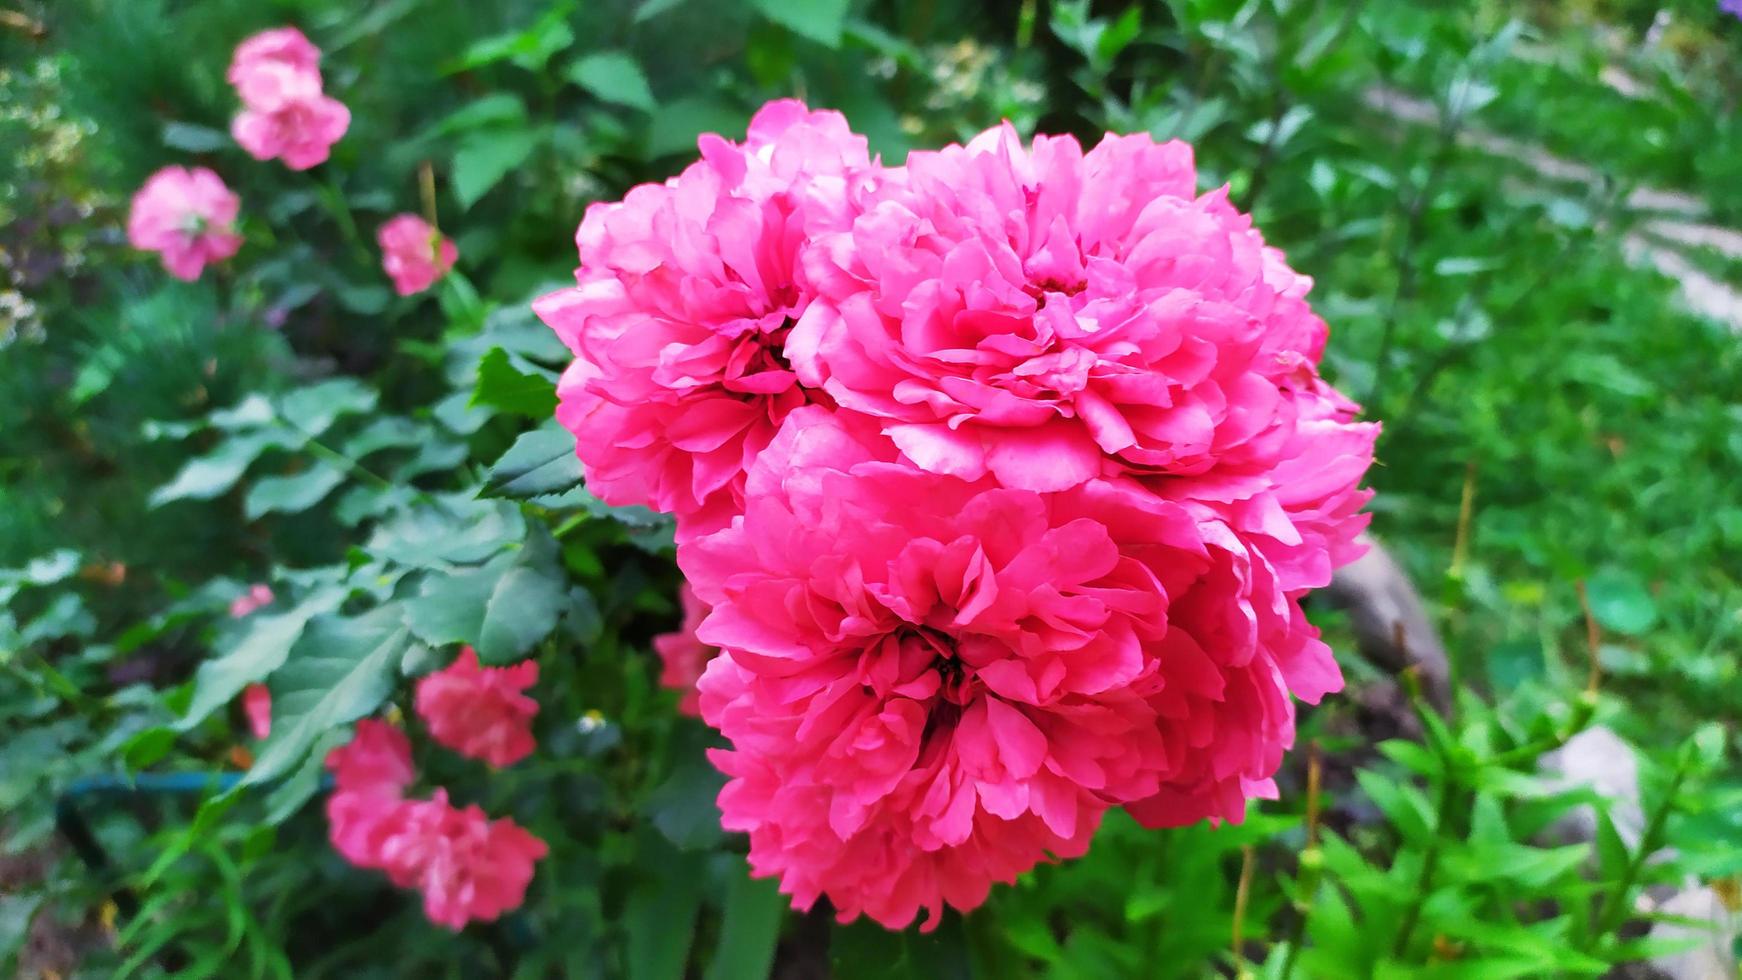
(337, 591)
(1002, 474)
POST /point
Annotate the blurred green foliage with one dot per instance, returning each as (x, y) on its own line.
(380, 461)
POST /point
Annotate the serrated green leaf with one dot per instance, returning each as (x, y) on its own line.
(290, 494)
(506, 388)
(260, 651)
(338, 671)
(213, 474)
(458, 531)
(615, 77)
(540, 462)
(314, 409)
(501, 609)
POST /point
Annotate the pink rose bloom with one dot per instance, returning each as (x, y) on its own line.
(467, 866)
(931, 684)
(258, 595)
(257, 706)
(480, 712)
(284, 112)
(414, 254)
(188, 217)
(370, 774)
(1047, 316)
(685, 656)
(282, 47)
(686, 292)
(297, 123)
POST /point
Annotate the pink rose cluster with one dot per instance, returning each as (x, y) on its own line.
(285, 114)
(999, 477)
(467, 866)
(189, 216)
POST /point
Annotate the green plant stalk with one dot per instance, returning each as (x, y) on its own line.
(1613, 912)
(1429, 866)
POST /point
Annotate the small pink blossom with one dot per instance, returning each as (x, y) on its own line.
(257, 596)
(414, 254)
(683, 655)
(282, 47)
(686, 291)
(188, 217)
(480, 712)
(257, 706)
(285, 114)
(467, 866)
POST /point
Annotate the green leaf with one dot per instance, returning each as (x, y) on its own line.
(684, 808)
(261, 650)
(486, 156)
(615, 77)
(213, 474)
(506, 388)
(290, 494)
(339, 671)
(56, 566)
(867, 950)
(676, 125)
(660, 917)
(819, 20)
(289, 796)
(16, 913)
(194, 139)
(65, 616)
(501, 609)
(314, 409)
(749, 931)
(461, 531)
(540, 462)
(146, 747)
(529, 49)
(1620, 602)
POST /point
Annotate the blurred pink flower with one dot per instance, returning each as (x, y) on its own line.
(467, 866)
(257, 706)
(414, 254)
(370, 774)
(480, 712)
(1733, 7)
(285, 114)
(282, 47)
(686, 292)
(685, 656)
(258, 595)
(188, 217)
